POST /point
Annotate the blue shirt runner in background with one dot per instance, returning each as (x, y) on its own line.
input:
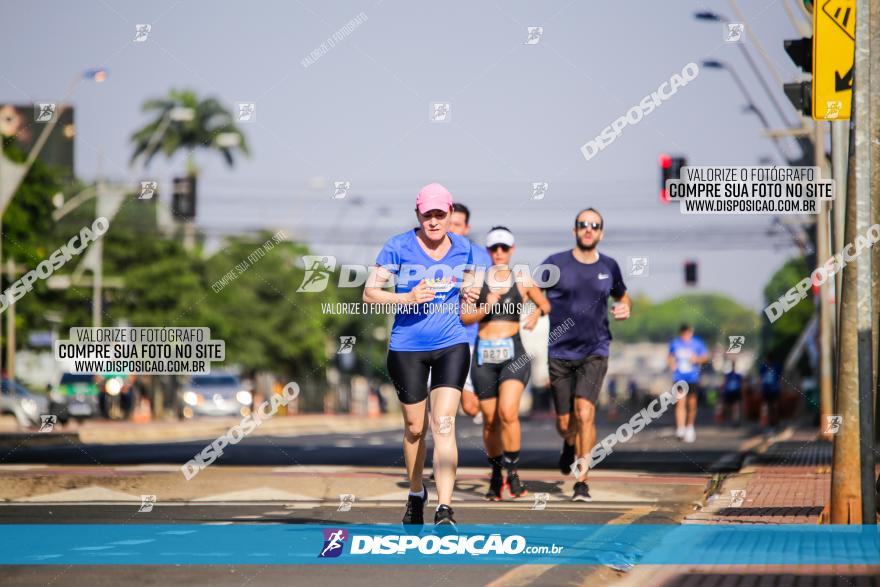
(686, 354)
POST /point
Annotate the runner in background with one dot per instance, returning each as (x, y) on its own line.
(427, 341)
(770, 373)
(733, 383)
(500, 366)
(686, 354)
(460, 225)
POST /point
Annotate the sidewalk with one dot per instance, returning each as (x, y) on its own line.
(113, 432)
(787, 482)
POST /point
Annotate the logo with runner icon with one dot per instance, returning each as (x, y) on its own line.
(319, 268)
(833, 423)
(346, 500)
(534, 35)
(47, 422)
(334, 541)
(346, 344)
(734, 32)
(147, 503)
(638, 266)
(541, 500)
(736, 344)
(539, 189)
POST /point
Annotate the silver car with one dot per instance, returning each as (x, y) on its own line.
(217, 394)
(27, 407)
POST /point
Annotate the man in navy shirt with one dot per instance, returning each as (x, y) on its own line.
(580, 339)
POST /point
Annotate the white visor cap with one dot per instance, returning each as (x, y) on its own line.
(499, 236)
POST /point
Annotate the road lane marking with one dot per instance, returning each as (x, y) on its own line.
(527, 574)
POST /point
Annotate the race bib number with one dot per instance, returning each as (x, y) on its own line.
(685, 365)
(494, 351)
(440, 285)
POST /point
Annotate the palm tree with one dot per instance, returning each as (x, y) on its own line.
(183, 122)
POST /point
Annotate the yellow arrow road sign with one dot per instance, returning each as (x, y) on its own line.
(834, 34)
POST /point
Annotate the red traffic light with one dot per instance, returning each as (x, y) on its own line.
(670, 168)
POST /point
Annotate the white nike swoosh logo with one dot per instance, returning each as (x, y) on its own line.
(603, 276)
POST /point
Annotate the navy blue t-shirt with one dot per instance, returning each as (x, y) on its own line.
(579, 306)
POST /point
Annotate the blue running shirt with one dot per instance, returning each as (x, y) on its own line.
(437, 324)
(685, 353)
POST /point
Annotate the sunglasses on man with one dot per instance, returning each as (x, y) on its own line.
(593, 225)
(504, 248)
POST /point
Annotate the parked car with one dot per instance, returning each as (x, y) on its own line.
(216, 394)
(75, 396)
(26, 406)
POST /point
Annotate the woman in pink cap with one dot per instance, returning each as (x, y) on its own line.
(428, 266)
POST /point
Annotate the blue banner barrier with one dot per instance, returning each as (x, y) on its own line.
(296, 544)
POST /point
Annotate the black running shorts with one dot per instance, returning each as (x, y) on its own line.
(487, 377)
(581, 378)
(409, 370)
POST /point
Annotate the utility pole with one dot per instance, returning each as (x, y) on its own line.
(839, 157)
(10, 326)
(875, 207)
(852, 475)
(823, 252)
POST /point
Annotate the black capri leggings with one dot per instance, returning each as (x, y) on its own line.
(409, 370)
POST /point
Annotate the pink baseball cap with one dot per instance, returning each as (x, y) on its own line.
(433, 197)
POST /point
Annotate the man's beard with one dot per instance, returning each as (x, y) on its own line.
(583, 247)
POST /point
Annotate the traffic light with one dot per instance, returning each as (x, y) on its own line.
(690, 273)
(670, 168)
(183, 203)
(800, 94)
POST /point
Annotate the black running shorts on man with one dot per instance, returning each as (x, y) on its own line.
(580, 378)
(579, 334)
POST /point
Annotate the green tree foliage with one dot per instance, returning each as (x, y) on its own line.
(211, 128)
(713, 316)
(781, 335)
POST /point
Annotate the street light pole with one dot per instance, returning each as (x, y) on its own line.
(12, 174)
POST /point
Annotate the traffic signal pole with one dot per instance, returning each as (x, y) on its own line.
(826, 319)
(852, 474)
(875, 208)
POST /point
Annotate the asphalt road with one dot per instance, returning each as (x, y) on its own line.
(654, 449)
(296, 480)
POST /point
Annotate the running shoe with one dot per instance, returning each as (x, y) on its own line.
(443, 516)
(566, 458)
(581, 492)
(415, 508)
(515, 486)
(496, 484)
(690, 435)
(679, 432)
